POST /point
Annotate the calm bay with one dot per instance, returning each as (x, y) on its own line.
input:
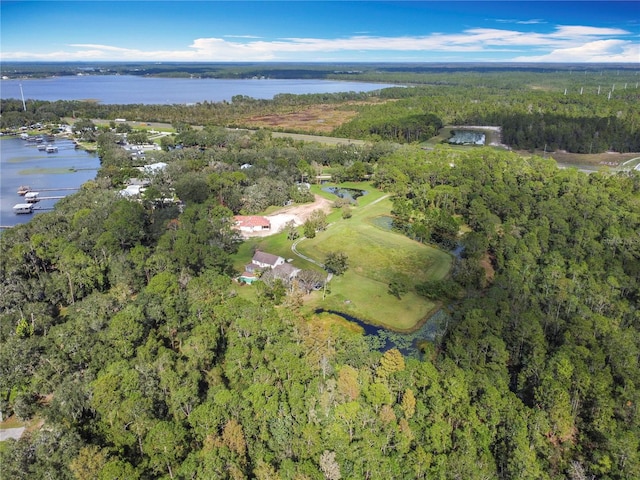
(21, 163)
(129, 89)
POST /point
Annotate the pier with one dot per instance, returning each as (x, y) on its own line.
(57, 197)
(60, 189)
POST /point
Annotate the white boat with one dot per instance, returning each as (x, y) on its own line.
(23, 189)
(22, 208)
(42, 147)
(32, 197)
(52, 149)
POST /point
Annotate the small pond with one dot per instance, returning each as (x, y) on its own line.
(351, 194)
(467, 137)
(381, 339)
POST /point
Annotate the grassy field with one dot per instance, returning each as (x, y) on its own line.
(312, 119)
(376, 257)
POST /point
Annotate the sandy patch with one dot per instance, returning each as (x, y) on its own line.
(296, 213)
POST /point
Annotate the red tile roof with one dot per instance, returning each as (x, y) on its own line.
(251, 221)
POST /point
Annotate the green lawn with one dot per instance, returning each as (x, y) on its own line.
(376, 257)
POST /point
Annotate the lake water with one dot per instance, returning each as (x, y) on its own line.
(351, 194)
(128, 89)
(21, 163)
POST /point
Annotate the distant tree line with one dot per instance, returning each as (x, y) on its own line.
(598, 111)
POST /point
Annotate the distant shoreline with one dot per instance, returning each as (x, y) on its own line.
(278, 70)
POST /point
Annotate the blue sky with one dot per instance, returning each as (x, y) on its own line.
(327, 31)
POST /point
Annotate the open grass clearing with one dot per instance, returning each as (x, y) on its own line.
(320, 118)
(369, 301)
(376, 257)
(377, 253)
(314, 119)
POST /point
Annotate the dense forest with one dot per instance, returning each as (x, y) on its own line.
(133, 354)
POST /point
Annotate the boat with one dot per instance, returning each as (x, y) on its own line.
(23, 189)
(42, 147)
(32, 197)
(20, 208)
(52, 149)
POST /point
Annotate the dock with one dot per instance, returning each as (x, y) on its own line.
(57, 197)
(60, 189)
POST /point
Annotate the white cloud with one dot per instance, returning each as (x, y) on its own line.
(575, 31)
(108, 48)
(599, 51)
(533, 21)
(565, 43)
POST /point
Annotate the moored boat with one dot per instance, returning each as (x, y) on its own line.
(52, 149)
(32, 197)
(23, 189)
(22, 208)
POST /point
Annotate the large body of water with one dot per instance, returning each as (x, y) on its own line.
(128, 89)
(21, 163)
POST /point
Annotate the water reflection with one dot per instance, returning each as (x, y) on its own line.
(408, 344)
(351, 194)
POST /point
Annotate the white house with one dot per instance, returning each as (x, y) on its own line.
(266, 260)
(132, 190)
